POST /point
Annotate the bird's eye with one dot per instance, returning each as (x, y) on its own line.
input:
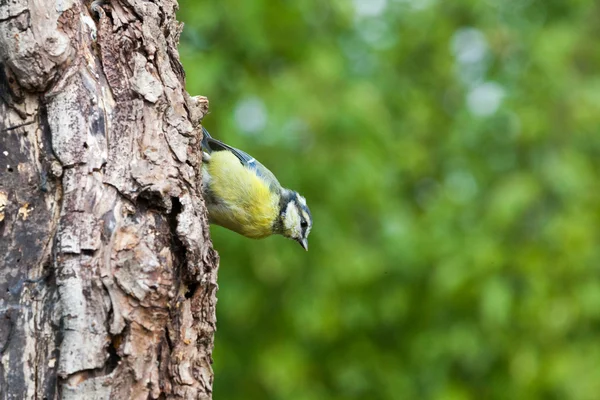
(304, 224)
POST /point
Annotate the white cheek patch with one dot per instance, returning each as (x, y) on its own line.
(291, 221)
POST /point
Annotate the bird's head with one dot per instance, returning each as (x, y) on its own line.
(295, 218)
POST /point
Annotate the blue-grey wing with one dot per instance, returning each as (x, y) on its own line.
(210, 144)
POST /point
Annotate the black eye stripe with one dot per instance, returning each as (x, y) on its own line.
(303, 227)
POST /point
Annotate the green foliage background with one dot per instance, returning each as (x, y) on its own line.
(449, 152)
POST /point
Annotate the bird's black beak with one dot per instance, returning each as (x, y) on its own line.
(303, 243)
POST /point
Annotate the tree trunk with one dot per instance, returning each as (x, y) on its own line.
(108, 276)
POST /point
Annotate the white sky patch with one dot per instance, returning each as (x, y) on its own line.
(469, 46)
(485, 99)
(369, 8)
(251, 115)
(472, 55)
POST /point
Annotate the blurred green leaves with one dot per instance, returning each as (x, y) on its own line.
(449, 153)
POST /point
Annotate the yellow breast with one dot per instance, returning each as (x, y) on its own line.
(246, 204)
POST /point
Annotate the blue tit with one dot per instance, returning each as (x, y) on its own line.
(242, 195)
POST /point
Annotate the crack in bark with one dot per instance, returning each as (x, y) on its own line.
(12, 128)
(13, 17)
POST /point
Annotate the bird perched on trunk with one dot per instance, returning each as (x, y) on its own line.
(244, 196)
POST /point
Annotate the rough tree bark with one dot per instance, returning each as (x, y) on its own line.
(107, 275)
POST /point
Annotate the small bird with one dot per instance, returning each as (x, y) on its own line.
(244, 196)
